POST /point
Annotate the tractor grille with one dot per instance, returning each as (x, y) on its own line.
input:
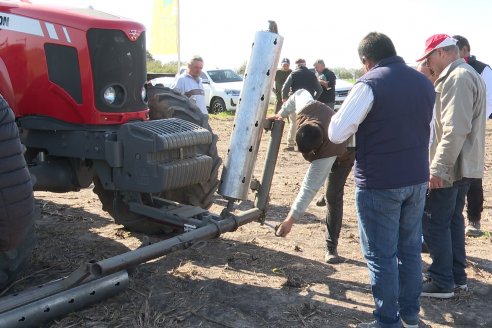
(116, 61)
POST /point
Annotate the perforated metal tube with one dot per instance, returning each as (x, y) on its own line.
(251, 111)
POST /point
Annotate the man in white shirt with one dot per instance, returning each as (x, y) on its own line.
(389, 109)
(190, 83)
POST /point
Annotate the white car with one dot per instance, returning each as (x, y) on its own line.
(222, 88)
(342, 89)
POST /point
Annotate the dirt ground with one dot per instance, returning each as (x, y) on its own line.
(247, 278)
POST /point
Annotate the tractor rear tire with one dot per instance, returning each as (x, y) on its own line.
(165, 103)
(17, 212)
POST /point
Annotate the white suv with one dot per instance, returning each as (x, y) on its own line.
(222, 88)
(342, 89)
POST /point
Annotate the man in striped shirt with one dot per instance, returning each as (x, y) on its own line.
(389, 109)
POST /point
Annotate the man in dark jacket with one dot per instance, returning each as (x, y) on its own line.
(327, 80)
(300, 78)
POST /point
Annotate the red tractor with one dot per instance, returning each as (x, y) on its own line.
(76, 81)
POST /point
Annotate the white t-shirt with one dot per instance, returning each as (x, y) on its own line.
(487, 77)
(185, 83)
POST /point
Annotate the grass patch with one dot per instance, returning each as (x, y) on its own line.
(226, 114)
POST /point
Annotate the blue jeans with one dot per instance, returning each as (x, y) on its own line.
(390, 227)
(444, 233)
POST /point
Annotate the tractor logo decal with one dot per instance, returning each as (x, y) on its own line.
(4, 21)
(132, 34)
(30, 26)
(21, 24)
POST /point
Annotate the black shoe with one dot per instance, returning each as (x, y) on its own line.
(321, 202)
(331, 256)
(430, 289)
(472, 229)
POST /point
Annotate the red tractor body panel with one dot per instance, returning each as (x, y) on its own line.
(27, 32)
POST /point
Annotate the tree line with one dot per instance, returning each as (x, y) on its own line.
(156, 66)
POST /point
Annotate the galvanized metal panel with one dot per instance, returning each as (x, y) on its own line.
(251, 111)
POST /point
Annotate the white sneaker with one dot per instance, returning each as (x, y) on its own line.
(409, 325)
(461, 288)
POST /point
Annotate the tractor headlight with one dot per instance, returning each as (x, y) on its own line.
(109, 95)
(114, 95)
(144, 94)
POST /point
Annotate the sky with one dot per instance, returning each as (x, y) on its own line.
(221, 31)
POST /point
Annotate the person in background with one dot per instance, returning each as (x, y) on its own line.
(280, 78)
(456, 156)
(300, 78)
(389, 109)
(313, 118)
(190, 83)
(474, 197)
(327, 80)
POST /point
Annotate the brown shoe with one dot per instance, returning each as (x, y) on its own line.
(289, 148)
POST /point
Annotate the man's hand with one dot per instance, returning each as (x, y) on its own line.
(435, 182)
(323, 83)
(285, 227)
(274, 117)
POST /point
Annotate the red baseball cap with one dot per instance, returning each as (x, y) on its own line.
(436, 41)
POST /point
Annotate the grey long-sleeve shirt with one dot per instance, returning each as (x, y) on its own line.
(314, 178)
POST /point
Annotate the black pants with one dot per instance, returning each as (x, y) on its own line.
(474, 199)
(278, 104)
(334, 198)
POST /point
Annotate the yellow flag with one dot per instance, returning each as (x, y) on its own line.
(164, 31)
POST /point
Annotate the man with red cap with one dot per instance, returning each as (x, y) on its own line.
(456, 156)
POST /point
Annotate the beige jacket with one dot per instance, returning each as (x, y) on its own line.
(458, 146)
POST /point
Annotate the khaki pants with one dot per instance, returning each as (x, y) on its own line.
(291, 137)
